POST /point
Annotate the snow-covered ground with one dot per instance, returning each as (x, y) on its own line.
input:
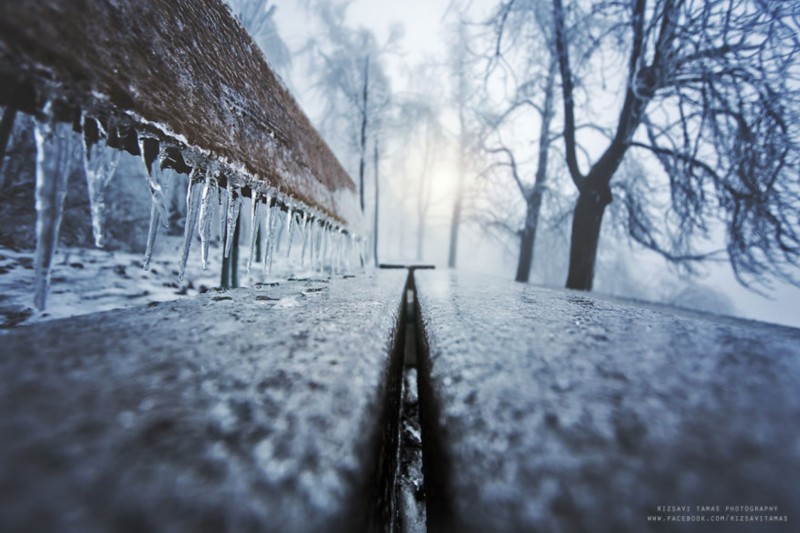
(90, 280)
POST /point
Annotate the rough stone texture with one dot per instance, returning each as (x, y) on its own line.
(560, 411)
(182, 68)
(244, 410)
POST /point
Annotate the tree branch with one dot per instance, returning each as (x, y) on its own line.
(567, 89)
(512, 162)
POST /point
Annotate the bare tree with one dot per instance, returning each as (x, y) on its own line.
(419, 135)
(520, 55)
(708, 92)
(462, 94)
(348, 66)
(376, 166)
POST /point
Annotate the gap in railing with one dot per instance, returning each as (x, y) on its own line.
(409, 486)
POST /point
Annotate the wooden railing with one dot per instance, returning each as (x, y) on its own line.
(183, 71)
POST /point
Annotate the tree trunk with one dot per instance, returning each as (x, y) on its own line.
(234, 266)
(528, 238)
(420, 233)
(423, 202)
(377, 204)
(6, 126)
(364, 122)
(534, 199)
(461, 100)
(586, 222)
(455, 223)
(525, 254)
(229, 277)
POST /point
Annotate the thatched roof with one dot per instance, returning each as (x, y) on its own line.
(183, 68)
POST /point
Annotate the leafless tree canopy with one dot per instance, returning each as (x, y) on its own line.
(711, 92)
(518, 60)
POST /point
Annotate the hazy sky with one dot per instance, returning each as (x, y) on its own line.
(421, 19)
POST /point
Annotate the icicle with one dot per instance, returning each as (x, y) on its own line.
(99, 164)
(268, 223)
(326, 246)
(329, 248)
(192, 196)
(312, 244)
(234, 204)
(152, 231)
(350, 252)
(53, 158)
(338, 246)
(279, 227)
(340, 251)
(273, 236)
(289, 229)
(222, 211)
(305, 240)
(312, 235)
(154, 176)
(362, 259)
(320, 247)
(158, 204)
(254, 223)
(206, 211)
(332, 251)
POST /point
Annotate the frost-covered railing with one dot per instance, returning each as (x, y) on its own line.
(181, 83)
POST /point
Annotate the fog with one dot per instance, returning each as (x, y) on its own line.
(627, 270)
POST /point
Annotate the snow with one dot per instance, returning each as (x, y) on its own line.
(522, 386)
(148, 415)
(91, 280)
(88, 281)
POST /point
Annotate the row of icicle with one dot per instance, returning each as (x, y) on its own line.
(325, 246)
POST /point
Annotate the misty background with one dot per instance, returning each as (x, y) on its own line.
(419, 46)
